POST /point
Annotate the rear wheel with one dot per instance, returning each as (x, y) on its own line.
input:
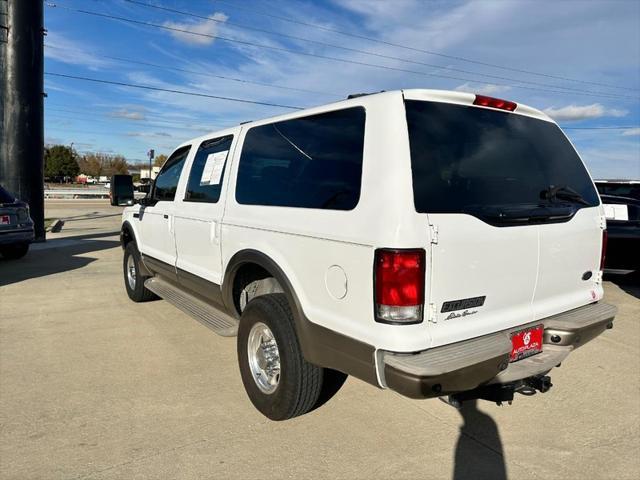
(133, 278)
(13, 252)
(278, 380)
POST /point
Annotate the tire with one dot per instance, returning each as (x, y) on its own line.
(14, 252)
(299, 383)
(135, 284)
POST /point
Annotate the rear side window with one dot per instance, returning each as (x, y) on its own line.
(466, 159)
(207, 171)
(166, 183)
(310, 162)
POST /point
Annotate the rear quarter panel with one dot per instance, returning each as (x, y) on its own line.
(305, 243)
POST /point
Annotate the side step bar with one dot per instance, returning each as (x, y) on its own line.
(218, 321)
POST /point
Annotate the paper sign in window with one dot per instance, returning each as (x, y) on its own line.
(212, 172)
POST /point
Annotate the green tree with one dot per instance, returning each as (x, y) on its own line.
(59, 162)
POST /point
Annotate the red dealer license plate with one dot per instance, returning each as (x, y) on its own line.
(4, 220)
(526, 342)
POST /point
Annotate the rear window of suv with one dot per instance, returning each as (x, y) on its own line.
(467, 158)
(308, 162)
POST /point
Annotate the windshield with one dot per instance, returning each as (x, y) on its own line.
(5, 197)
(467, 158)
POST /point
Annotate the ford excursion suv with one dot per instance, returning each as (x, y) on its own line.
(440, 244)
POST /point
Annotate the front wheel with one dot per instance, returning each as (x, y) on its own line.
(278, 380)
(133, 278)
(14, 252)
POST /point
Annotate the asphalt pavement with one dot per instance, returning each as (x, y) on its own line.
(95, 386)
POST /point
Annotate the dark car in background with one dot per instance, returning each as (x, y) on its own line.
(621, 201)
(16, 226)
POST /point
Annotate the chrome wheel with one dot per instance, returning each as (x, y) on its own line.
(264, 358)
(131, 272)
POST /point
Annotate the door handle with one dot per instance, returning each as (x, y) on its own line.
(214, 233)
(166, 216)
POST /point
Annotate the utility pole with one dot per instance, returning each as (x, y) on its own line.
(22, 92)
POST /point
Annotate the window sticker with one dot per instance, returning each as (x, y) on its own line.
(212, 172)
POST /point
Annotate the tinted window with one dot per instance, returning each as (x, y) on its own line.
(310, 162)
(207, 171)
(463, 158)
(166, 184)
(5, 197)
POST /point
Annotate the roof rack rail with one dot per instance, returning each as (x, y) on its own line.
(356, 95)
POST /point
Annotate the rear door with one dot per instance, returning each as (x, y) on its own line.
(483, 177)
(199, 214)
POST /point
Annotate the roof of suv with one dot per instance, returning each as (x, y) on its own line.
(446, 96)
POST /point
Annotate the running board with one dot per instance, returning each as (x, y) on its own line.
(209, 316)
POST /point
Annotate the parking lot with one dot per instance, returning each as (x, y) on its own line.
(93, 385)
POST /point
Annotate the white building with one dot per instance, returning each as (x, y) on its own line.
(144, 172)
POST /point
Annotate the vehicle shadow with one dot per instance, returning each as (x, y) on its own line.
(479, 453)
(42, 262)
(630, 282)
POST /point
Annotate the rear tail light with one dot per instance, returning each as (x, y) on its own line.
(484, 101)
(605, 237)
(399, 285)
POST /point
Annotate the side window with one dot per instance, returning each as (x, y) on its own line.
(207, 171)
(309, 162)
(166, 184)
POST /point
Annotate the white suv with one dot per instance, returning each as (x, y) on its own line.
(435, 243)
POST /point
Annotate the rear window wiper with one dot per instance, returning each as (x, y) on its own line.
(563, 193)
(520, 214)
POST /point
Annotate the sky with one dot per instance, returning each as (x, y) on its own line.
(579, 61)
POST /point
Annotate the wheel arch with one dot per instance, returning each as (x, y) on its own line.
(127, 234)
(320, 345)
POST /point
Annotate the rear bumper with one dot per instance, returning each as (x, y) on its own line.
(24, 235)
(484, 360)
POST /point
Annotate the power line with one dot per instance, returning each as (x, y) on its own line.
(326, 57)
(206, 74)
(169, 90)
(116, 117)
(113, 118)
(129, 124)
(349, 49)
(428, 52)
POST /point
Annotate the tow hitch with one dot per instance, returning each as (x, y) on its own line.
(501, 392)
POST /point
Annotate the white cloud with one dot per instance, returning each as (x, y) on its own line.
(128, 114)
(488, 89)
(65, 50)
(149, 134)
(204, 27)
(631, 132)
(583, 112)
